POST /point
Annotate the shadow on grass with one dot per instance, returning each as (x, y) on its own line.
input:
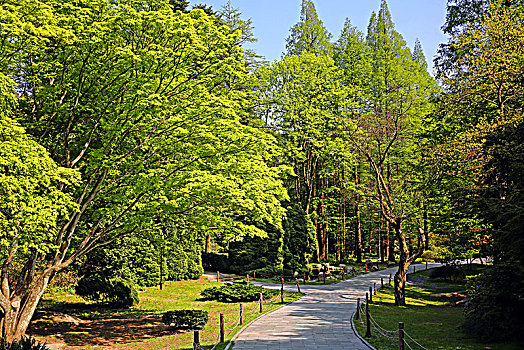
(106, 331)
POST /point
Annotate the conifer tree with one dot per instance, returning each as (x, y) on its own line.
(309, 34)
(387, 135)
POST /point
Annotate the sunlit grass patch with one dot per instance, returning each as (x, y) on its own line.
(430, 317)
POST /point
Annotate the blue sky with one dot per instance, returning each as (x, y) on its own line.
(272, 19)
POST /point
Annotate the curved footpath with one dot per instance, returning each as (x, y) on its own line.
(319, 320)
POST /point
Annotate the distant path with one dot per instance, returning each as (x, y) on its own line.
(319, 320)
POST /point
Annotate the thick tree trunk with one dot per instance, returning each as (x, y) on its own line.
(17, 314)
(405, 261)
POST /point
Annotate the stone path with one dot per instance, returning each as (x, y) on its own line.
(319, 320)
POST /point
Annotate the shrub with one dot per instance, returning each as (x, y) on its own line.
(185, 319)
(237, 291)
(114, 291)
(183, 268)
(446, 272)
(215, 262)
(26, 343)
(495, 308)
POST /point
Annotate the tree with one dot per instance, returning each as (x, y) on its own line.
(179, 5)
(299, 99)
(309, 34)
(387, 135)
(351, 55)
(31, 205)
(484, 105)
(232, 17)
(147, 114)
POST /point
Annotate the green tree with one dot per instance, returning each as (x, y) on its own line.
(299, 96)
(387, 135)
(484, 106)
(309, 34)
(147, 114)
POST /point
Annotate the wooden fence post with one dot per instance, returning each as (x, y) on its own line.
(222, 328)
(282, 290)
(196, 340)
(375, 287)
(381, 282)
(298, 285)
(368, 321)
(371, 295)
(357, 315)
(414, 269)
(401, 336)
(241, 314)
(218, 276)
(261, 302)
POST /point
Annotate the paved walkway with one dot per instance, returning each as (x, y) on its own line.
(319, 320)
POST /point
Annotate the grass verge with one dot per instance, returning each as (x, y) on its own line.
(140, 327)
(432, 317)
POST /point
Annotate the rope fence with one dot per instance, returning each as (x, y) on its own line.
(392, 336)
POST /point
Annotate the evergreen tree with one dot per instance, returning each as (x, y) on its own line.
(232, 17)
(309, 34)
(397, 102)
(418, 56)
(179, 5)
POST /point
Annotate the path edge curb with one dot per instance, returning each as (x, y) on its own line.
(358, 335)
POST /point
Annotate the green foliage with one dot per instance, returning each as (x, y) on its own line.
(451, 272)
(215, 262)
(237, 291)
(186, 319)
(495, 308)
(116, 292)
(31, 202)
(299, 238)
(25, 343)
(309, 34)
(255, 253)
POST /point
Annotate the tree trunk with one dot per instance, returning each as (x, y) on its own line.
(391, 240)
(17, 315)
(358, 224)
(405, 261)
(426, 230)
(208, 244)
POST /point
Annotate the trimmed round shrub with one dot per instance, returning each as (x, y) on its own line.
(185, 319)
(26, 343)
(237, 291)
(117, 292)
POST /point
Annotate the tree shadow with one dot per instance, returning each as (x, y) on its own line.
(106, 330)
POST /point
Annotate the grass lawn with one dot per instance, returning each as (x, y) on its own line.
(140, 327)
(430, 317)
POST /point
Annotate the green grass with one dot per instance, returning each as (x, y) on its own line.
(153, 303)
(429, 317)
